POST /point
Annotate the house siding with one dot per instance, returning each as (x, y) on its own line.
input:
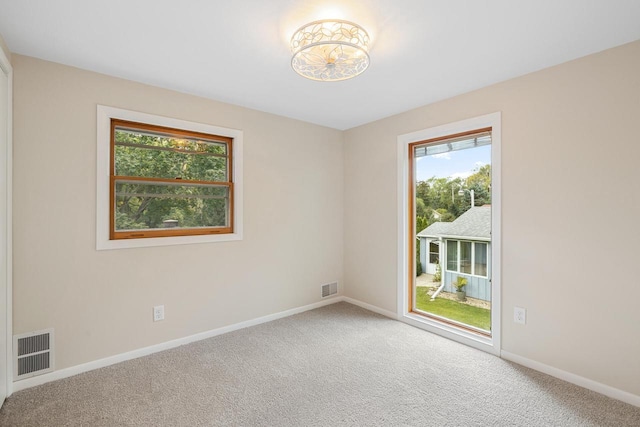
(477, 287)
(424, 254)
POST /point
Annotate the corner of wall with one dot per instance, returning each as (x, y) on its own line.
(5, 48)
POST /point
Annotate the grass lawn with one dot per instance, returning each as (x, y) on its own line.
(463, 313)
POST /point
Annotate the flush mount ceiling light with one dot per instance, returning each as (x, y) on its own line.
(330, 50)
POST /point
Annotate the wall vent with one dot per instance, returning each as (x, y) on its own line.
(32, 354)
(329, 289)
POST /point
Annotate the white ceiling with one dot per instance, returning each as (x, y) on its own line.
(237, 51)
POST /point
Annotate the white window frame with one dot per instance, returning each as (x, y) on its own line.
(432, 242)
(490, 344)
(104, 116)
(446, 251)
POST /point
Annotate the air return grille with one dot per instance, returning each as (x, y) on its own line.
(33, 353)
(329, 289)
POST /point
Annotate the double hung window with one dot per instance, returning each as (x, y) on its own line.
(169, 182)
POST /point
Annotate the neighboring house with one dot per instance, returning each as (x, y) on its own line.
(462, 248)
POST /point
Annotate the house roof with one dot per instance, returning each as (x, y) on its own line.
(474, 223)
(435, 230)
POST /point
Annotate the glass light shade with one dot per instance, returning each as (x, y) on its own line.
(330, 50)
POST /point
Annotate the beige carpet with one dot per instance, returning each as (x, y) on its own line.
(335, 366)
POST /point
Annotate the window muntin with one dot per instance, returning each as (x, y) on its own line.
(169, 182)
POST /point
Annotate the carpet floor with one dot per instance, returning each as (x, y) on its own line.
(338, 365)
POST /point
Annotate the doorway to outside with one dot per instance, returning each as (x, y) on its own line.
(449, 230)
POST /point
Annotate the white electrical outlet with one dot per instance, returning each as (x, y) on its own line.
(158, 313)
(520, 315)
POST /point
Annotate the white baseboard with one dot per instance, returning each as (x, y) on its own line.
(134, 354)
(604, 389)
(370, 307)
(612, 392)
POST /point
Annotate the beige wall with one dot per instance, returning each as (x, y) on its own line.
(100, 303)
(4, 48)
(570, 211)
(569, 169)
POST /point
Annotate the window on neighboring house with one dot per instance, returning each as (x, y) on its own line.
(467, 257)
(480, 259)
(169, 182)
(452, 255)
(434, 253)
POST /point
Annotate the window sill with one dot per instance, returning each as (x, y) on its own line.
(102, 244)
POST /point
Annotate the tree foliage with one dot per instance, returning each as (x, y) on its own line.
(144, 204)
(439, 199)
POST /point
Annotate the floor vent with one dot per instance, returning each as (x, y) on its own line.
(329, 289)
(32, 354)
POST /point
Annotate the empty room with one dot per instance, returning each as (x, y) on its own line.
(319, 213)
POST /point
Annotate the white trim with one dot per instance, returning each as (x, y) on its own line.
(134, 354)
(104, 116)
(465, 238)
(612, 392)
(492, 120)
(6, 67)
(477, 343)
(375, 309)
(496, 231)
(403, 230)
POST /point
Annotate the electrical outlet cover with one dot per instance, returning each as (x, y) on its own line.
(520, 315)
(158, 313)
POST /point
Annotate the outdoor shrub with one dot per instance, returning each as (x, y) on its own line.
(461, 282)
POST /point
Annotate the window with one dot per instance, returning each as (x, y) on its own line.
(472, 259)
(169, 182)
(465, 258)
(480, 265)
(414, 165)
(434, 253)
(164, 181)
(452, 255)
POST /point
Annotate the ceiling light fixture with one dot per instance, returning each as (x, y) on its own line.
(330, 50)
